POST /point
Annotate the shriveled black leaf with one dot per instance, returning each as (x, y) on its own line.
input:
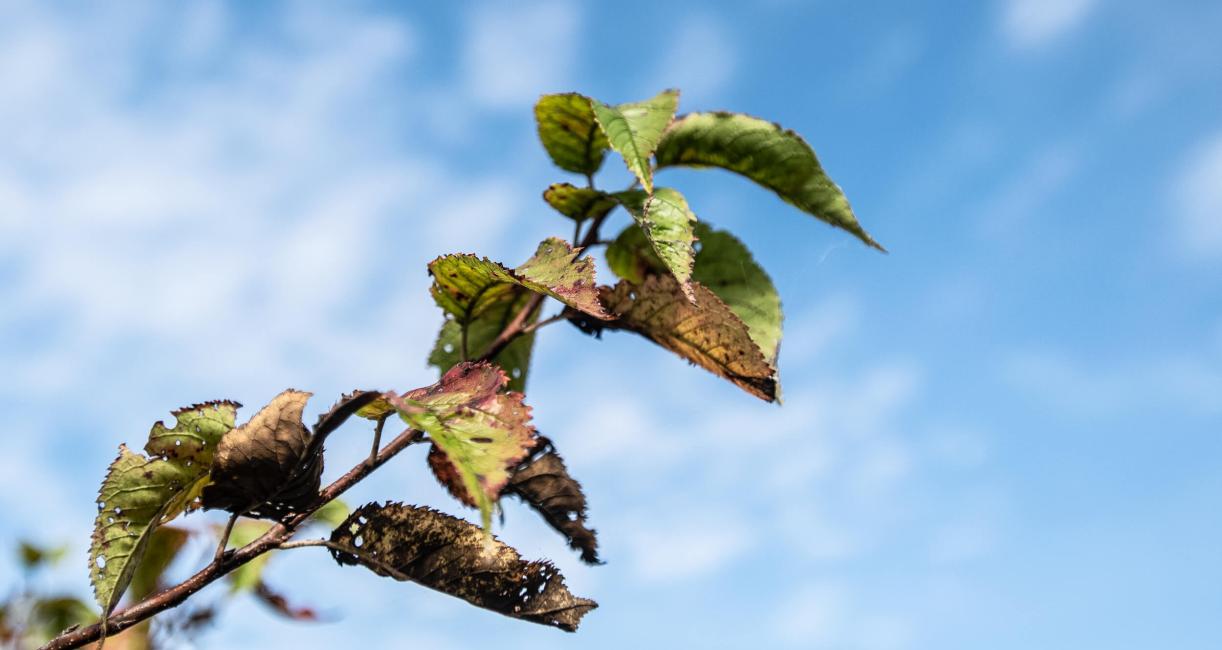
(455, 557)
(280, 604)
(271, 467)
(543, 482)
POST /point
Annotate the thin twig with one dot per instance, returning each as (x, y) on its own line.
(377, 439)
(547, 321)
(220, 548)
(336, 546)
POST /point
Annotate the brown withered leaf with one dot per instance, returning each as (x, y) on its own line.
(455, 557)
(543, 482)
(271, 467)
(705, 331)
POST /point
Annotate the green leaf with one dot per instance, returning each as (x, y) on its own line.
(331, 513)
(249, 575)
(33, 556)
(569, 133)
(482, 331)
(163, 547)
(775, 158)
(578, 203)
(136, 495)
(139, 493)
(271, 467)
(705, 332)
(456, 558)
(635, 129)
(466, 286)
(543, 482)
(669, 225)
(480, 432)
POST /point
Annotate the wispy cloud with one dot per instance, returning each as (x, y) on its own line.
(1197, 200)
(1029, 24)
(512, 54)
(700, 59)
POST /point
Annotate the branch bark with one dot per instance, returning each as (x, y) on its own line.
(218, 568)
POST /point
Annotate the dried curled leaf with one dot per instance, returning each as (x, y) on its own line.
(569, 133)
(480, 432)
(668, 224)
(634, 130)
(543, 482)
(773, 157)
(579, 203)
(454, 557)
(271, 467)
(140, 492)
(705, 332)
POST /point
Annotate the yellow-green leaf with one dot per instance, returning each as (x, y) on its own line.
(669, 225)
(578, 203)
(634, 130)
(773, 157)
(140, 492)
(569, 133)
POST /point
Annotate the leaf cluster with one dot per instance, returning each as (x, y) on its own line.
(681, 284)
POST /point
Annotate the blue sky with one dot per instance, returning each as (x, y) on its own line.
(1003, 434)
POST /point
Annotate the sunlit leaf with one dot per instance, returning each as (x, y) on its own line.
(569, 133)
(456, 558)
(331, 513)
(466, 286)
(668, 224)
(578, 203)
(773, 157)
(543, 482)
(140, 492)
(271, 467)
(481, 431)
(705, 332)
(634, 130)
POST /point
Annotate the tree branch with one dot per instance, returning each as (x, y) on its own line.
(274, 538)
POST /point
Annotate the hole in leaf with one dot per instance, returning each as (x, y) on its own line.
(517, 373)
(100, 561)
(177, 443)
(358, 540)
(448, 347)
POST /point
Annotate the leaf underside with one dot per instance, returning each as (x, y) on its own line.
(569, 133)
(542, 481)
(514, 359)
(140, 492)
(457, 558)
(668, 224)
(480, 432)
(773, 157)
(705, 332)
(635, 129)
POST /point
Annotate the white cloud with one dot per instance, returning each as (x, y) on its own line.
(1197, 198)
(514, 53)
(829, 615)
(700, 60)
(1032, 23)
(1185, 384)
(665, 550)
(1027, 191)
